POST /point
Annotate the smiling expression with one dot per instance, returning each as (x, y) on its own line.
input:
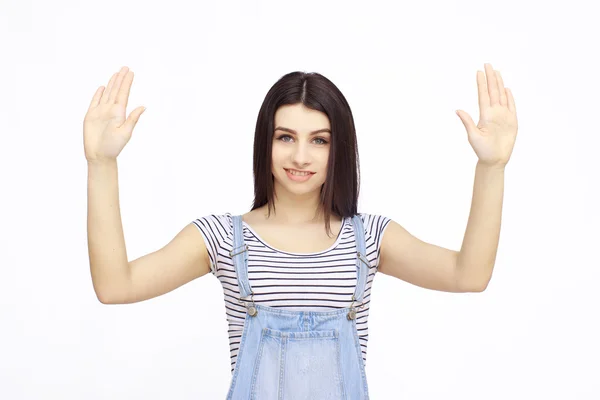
(301, 144)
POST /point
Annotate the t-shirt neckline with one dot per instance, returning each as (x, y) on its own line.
(333, 246)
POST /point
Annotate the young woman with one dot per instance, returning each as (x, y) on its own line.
(296, 269)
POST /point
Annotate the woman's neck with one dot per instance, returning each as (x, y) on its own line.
(293, 209)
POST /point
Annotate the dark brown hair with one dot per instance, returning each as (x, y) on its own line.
(339, 193)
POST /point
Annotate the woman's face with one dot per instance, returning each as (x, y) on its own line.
(301, 143)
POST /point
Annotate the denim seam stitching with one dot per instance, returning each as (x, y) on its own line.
(257, 365)
(360, 360)
(339, 363)
(282, 366)
(239, 357)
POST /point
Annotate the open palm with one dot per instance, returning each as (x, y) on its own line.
(106, 131)
(494, 136)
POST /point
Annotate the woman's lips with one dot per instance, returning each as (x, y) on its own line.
(298, 178)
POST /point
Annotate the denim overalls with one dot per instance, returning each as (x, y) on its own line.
(292, 355)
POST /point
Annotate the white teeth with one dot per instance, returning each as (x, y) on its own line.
(298, 173)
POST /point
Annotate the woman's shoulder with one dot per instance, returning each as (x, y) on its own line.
(369, 217)
(374, 224)
(215, 223)
(222, 217)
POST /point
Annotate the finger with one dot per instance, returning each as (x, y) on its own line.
(501, 91)
(492, 84)
(108, 88)
(511, 101)
(133, 119)
(484, 97)
(467, 121)
(123, 95)
(115, 90)
(97, 96)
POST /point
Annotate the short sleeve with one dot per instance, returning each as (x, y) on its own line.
(216, 231)
(375, 226)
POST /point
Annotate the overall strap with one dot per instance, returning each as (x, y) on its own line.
(239, 256)
(362, 263)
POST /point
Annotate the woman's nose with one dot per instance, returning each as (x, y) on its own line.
(301, 154)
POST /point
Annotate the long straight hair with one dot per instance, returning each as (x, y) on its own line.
(339, 193)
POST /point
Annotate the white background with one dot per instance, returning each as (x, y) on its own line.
(202, 70)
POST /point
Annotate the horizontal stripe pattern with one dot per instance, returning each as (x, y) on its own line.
(321, 281)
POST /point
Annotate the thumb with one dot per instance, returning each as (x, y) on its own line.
(133, 118)
(467, 121)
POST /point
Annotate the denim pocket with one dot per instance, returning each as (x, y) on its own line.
(298, 365)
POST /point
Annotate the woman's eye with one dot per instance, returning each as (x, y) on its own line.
(283, 138)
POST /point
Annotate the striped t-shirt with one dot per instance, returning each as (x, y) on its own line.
(319, 281)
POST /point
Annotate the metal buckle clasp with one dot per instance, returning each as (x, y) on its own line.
(252, 307)
(352, 313)
(231, 253)
(363, 258)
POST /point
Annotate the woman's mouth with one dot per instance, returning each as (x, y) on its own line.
(298, 176)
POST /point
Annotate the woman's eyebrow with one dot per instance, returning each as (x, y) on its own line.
(281, 128)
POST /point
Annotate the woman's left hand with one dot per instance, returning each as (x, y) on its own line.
(494, 136)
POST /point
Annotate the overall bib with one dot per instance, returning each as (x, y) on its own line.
(293, 355)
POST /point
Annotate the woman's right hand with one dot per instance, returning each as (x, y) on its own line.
(105, 129)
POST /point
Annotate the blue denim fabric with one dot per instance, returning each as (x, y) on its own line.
(293, 355)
